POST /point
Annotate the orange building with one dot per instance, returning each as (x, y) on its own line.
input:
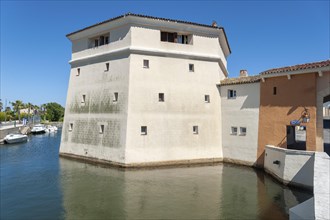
(291, 103)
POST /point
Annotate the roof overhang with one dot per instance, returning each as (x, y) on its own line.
(296, 72)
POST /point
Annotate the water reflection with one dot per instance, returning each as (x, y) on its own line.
(36, 184)
(29, 179)
(212, 192)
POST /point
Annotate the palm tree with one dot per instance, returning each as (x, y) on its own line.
(35, 109)
(30, 106)
(17, 106)
(43, 108)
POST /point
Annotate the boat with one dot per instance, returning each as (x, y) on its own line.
(38, 129)
(51, 129)
(15, 138)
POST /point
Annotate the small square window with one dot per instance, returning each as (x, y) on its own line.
(115, 97)
(191, 68)
(101, 129)
(274, 90)
(70, 126)
(146, 64)
(161, 97)
(83, 99)
(78, 72)
(195, 129)
(107, 67)
(231, 94)
(233, 131)
(207, 98)
(143, 130)
(242, 131)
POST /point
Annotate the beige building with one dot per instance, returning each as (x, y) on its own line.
(143, 91)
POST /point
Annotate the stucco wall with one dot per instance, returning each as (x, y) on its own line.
(294, 167)
(276, 111)
(204, 45)
(120, 38)
(99, 108)
(243, 111)
(170, 123)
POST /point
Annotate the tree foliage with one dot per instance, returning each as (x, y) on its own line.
(49, 111)
(17, 105)
(53, 111)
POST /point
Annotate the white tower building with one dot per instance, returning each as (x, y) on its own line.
(143, 91)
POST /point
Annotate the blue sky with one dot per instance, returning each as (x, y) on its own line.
(261, 34)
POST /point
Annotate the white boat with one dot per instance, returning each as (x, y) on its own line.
(51, 129)
(38, 129)
(15, 138)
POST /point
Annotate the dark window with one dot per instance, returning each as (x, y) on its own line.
(191, 68)
(106, 40)
(195, 129)
(231, 94)
(207, 98)
(163, 36)
(144, 130)
(101, 40)
(146, 64)
(107, 67)
(115, 97)
(274, 91)
(161, 97)
(96, 43)
(78, 72)
(101, 129)
(173, 37)
(170, 37)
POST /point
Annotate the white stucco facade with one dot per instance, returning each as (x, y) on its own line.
(240, 112)
(97, 127)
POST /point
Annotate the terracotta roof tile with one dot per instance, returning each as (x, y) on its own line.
(240, 80)
(297, 67)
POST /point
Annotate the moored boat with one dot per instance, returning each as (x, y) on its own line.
(38, 129)
(51, 129)
(15, 138)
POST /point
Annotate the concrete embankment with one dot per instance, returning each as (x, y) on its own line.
(306, 169)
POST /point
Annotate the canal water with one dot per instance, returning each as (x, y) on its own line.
(37, 184)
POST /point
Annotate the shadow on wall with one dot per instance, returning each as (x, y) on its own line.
(112, 57)
(304, 175)
(292, 109)
(250, 102)
(260, 160)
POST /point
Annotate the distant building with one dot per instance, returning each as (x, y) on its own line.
(26, 111)
(143, 91)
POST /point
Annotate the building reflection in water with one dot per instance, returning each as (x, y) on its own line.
(209, 192)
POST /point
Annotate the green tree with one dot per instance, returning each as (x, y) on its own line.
(17, 106)
(54, 111)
